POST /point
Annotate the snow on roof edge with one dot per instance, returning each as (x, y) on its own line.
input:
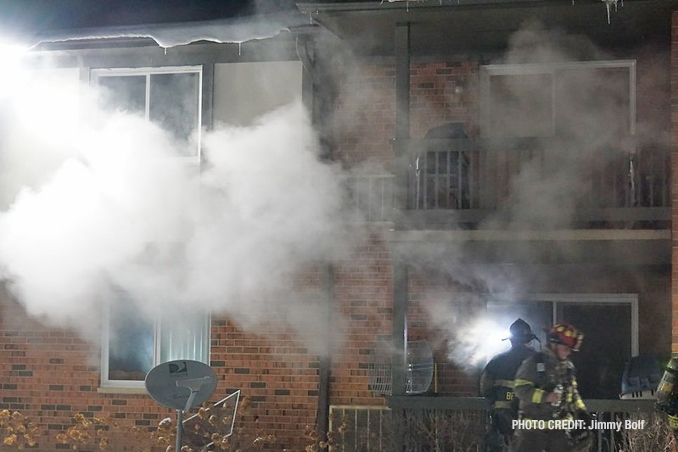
(231, 30)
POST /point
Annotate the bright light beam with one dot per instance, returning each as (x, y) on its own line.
(11, 55)
(480, 341)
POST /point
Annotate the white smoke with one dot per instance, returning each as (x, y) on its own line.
(104, 202)
(544, 193)
(479, 341)
(97, 212)
(469, 334)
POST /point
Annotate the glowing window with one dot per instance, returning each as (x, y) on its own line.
(135, 341)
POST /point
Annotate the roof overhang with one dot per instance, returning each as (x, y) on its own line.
(445, 26)
(233, 30)
(177, 34)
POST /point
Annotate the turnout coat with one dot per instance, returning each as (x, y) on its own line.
(541, 374)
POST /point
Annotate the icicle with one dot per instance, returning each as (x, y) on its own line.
(608, 4)
(632, 180)
(239, 48)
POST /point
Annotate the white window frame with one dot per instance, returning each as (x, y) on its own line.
(192, 160)
(552, 69)
(96, 74)
(105, 382)
(607, 298)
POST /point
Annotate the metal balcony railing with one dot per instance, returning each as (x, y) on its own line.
(472, 179)
(448, 175)
(466, 181)
(441, 424)
(371, 197)
(360, 428)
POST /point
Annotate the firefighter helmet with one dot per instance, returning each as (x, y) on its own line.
(566, 334)
(521, 333)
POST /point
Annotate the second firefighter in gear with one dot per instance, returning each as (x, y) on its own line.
(496, 384)
(667, 394)
(546, 386)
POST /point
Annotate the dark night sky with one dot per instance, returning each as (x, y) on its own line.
(30, 17)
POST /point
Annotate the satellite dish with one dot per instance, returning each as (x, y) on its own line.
(181, 384)
(420, 368)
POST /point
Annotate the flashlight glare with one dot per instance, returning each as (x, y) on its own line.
(481, 340)
(12, 56)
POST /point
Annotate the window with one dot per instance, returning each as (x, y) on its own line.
(134, 341)
(605, 351)
(169, 97)
(560, 99)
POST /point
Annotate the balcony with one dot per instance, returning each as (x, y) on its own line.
(469, 184)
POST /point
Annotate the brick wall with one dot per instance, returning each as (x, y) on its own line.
(278, 375)
(442, 92)
(365, 117)
(50, 375)
(363, 291)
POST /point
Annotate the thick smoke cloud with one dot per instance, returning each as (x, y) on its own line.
(592, 129)
(101, 204)
(90, 205)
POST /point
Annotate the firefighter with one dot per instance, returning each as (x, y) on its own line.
(546, 387)
(667, 395)
(496, 384)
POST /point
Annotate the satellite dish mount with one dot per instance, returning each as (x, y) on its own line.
(181, 385)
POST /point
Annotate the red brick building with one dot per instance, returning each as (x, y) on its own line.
(497, 160)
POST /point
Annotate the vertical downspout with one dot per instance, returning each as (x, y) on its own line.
(400, 270)
(402, 133)
(323, 413)
(207, 97)
(317, 98)
(206, 124)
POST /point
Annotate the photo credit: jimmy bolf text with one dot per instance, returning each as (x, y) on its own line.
(572, 424)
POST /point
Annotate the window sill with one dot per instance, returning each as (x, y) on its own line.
(113, 390)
